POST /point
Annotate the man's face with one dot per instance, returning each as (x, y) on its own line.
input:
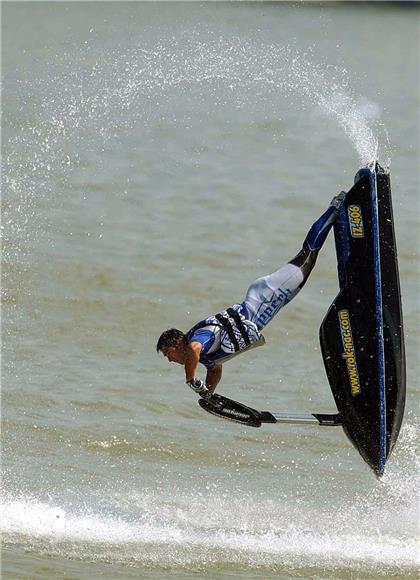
(175, 353)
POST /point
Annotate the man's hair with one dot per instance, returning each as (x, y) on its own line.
(169, 338)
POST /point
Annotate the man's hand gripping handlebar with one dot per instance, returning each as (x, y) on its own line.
(199, 387)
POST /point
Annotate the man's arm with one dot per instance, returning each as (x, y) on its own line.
(192, 359)
(213, 377)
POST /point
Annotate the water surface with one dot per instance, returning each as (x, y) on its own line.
(156, 159)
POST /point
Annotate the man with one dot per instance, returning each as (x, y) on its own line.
(218, 338)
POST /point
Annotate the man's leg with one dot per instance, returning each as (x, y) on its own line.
(267, 295)
(313, 242)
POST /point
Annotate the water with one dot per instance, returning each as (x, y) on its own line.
(157, 159)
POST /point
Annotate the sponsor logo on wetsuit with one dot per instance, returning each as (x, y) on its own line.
(349, 355)
(274, 306)
(356, 221)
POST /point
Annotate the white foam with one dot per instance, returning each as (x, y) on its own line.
(287, 542)
(29, 517)
(368, 531)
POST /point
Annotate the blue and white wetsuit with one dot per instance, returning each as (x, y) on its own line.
(238, 328)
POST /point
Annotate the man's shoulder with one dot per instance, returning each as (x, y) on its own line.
(204, 332)
(208, 337)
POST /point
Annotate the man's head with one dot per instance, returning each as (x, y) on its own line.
(172, 344)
